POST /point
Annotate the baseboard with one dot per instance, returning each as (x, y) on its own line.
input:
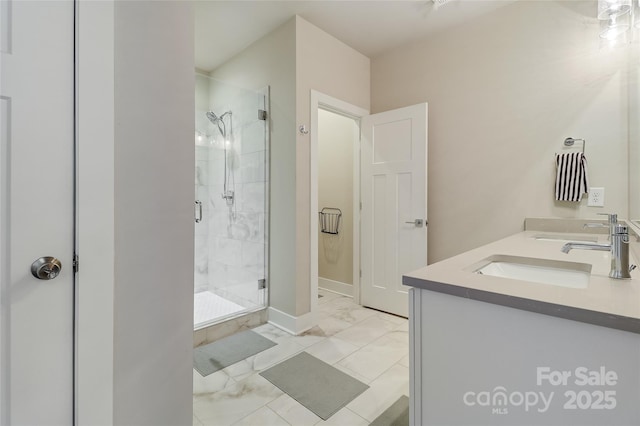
(290, 323)
(335, 286)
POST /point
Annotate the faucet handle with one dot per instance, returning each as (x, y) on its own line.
(619, 229)
(613, 217)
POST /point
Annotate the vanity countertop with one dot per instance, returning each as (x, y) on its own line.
(605, 301)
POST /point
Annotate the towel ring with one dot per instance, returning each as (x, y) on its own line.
(571, 141)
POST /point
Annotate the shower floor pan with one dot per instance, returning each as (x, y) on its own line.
(208, 306)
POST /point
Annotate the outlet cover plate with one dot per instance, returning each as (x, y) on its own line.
(596, 197)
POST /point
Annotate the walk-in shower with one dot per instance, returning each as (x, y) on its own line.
(231, 194)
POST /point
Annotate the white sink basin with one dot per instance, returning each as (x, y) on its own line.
(564, 238)
(543, 271)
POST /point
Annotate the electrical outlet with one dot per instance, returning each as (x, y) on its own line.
(596, 197)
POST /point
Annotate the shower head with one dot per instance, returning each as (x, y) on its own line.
(218, 121)
(213, 118)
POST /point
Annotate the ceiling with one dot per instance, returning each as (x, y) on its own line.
(225, 28)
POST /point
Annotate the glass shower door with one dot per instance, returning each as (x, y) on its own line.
(232, 194)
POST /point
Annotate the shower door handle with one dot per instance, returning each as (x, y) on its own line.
(198, 211)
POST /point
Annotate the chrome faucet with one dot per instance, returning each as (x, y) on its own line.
(585, 246)
(619, 249)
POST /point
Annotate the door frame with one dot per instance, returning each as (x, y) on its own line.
(95, 204)
(322, 101)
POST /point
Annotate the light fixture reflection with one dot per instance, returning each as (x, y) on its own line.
(617, 14)
(612, 8)
(614, 29)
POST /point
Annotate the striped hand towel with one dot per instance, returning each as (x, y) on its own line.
(571, 176)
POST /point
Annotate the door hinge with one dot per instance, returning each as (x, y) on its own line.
(76, 263)
(262, 114)
(360, 273)
(262, 284)
(360, 205)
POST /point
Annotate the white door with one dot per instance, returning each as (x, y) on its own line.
(36, 206)
(394, 205)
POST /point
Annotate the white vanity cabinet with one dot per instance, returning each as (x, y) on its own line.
(477, 363)
(488, 350)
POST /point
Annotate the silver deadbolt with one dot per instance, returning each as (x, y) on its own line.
(46, 268)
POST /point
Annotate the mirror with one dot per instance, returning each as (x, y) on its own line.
(634, 134)
(582, 15)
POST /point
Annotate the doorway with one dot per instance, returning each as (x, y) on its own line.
(389, 202)
(338, 137)
(335, 187)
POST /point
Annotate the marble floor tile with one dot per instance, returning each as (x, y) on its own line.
(234, 402)
(344, 417)
(337, 304)
(327, 296)
(280, 336)
(329, 326)
(353, 315)
(293, 412)
(366, 331)
(404, 361)
(331, 350)
(352, 373)
(275, 354)
(264, 417)
(212, 383)
(392, 318)
(404, 326)
(263, 360)
(272, 333)
(383, 392)
(377, 357)
(400, 336)
(369, 345)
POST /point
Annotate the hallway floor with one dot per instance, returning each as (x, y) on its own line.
(369, 345)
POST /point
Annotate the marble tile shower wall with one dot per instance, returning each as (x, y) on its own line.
(237, 233)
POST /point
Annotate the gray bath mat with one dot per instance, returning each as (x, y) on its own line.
(315, 384)
(222, 353)
(396, 415)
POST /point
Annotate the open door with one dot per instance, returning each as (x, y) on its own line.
(394, 205)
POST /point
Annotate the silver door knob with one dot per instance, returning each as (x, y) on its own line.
(417, 222)
(46, 268)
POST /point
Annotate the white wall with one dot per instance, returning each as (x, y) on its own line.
(95, 227)
(153, 164)
(504, 91)
(325, 64)
(336, 137)
(271, 62)
(293, 60)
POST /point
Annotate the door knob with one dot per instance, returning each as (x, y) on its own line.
(46, 268)
(417, 223)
